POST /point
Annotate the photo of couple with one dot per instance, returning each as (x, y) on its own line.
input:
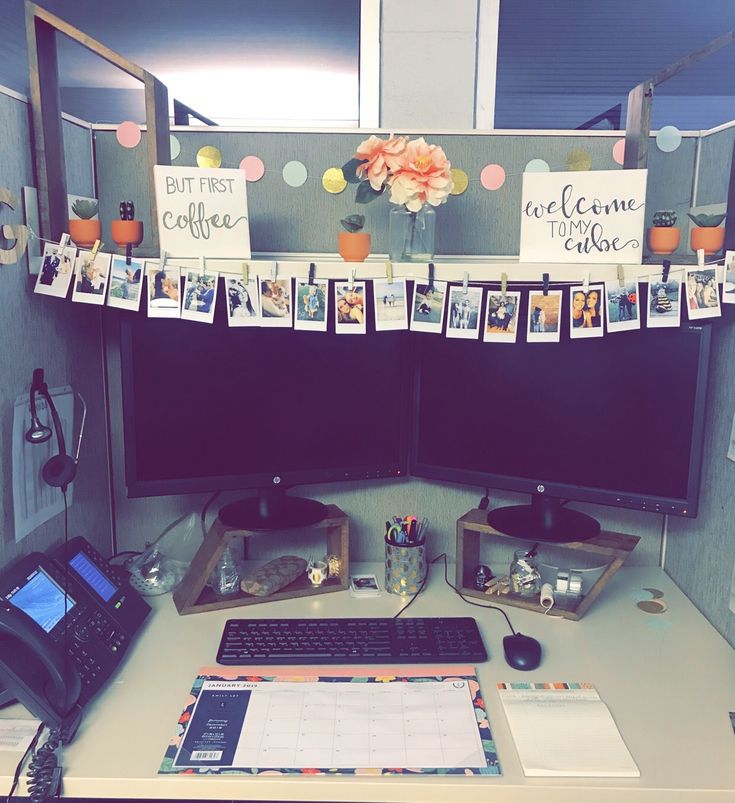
(543, 316)
(90, 283)
(501, 320)
(199, 297)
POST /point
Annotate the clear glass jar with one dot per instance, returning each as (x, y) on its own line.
(225, 577)
(525, 578)
(411, 235)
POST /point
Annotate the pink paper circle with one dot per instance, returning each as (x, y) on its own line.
(128, 134)
(253, 167)
(618, 151)
(492, 177)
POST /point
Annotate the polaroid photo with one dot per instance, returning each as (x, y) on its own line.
(728, 282)
(200, 296)
(164, 296)
(428, 307)
(57, 270)
(126, 282)
(91, 279)
(586, 306)
(664, 301)
(312, 301)
(544, 314)
(391, 304)
(349, 308)
(364, 585)
(501, 317)
(702, 293)
(464, 312)
(622, 306)
(275, 302)
(243, 305)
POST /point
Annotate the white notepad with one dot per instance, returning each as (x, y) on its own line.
(564, 729)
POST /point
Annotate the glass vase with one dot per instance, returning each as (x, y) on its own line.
(411, 234)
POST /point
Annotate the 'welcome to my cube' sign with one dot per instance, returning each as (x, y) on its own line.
(202, 212)
(592, 216)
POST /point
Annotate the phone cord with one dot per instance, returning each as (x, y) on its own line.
(44, 773)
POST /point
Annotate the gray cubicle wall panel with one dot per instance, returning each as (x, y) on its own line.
(714, 166)
(306, 218)
(61, 337)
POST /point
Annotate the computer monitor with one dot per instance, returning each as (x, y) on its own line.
(615, 420)
(210, 408)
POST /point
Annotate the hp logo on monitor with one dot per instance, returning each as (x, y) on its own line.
(276, 480)
(540, 488)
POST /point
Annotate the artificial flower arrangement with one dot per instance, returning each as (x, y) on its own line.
(418, 176)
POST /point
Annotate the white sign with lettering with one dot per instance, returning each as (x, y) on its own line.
(202, 212)
(593, 216)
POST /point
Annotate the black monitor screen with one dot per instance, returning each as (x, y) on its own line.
(616, 420)
(207, 407)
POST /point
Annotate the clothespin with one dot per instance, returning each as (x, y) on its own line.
(274, 271)
(64, 241)
(353, 271)
(128, 253)
(245, 273)
(503, 285)
(665, 271)
(621, 275)
(202, 265)
(312, 272)
(586, 281)
(700, 257)
(389, 271)
(95, 248)
(465, 281)
(162, 261)
(431, 274)
(546, 284)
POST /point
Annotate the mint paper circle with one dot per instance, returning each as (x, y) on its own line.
(294, 173)
(175, 147)
(537, 166)
(668, 138)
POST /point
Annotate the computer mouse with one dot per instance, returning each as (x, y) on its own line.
(522, 652)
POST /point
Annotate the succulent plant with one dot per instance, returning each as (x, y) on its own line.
(706, 221)
(665, 218)
(353, 223)
(84, 210)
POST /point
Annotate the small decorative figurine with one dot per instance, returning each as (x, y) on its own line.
(483, 575)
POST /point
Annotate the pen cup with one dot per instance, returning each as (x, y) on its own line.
(405, 567)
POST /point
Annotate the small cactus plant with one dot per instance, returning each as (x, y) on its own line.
(353, 223)
(706, 221)
(665, 219)
(84, 210)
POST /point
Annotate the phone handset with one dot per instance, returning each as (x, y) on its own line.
(35, 669)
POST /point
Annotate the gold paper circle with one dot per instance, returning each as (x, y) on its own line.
(333, 180)
(579, 160)
(653, 605)
(209, 156)
(461, 181)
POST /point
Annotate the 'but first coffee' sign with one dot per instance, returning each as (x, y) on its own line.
(202, 212)
(592, 216)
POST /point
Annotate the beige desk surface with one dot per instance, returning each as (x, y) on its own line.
(669, 681)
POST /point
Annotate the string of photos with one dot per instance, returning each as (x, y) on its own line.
(466, 310)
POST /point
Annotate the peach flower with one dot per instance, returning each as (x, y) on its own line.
(381, 158)
(423, 176)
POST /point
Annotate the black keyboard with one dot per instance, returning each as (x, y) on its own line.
(351, 641)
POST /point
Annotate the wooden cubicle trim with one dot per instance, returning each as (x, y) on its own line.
(48, 142)
(192, 595)
(473, 526)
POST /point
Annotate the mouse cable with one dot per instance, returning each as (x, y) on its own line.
(469, 601)
(19, 766)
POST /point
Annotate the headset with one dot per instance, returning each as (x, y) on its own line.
(61, 469)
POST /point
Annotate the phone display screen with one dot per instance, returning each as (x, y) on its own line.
(92, 576)
(43, 599)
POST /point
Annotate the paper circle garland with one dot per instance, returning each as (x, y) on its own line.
(461, 181)
(333, 180)
(579, 159)
(492, 177)
(128, 134)
(668, 138)
(294, 173)
(253, 168)
(209, 156)
(175, 146)
(618, 151)
(537, 166)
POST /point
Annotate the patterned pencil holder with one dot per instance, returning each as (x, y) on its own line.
(405, 567)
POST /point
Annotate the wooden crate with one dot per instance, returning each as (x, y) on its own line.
(473, 526)
(193, 594)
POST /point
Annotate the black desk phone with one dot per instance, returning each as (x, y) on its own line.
(57, 648)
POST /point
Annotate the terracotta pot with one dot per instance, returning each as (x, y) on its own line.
(354, 246)
(711, 238)
(127, 232)
(663, 239)
(84, 233)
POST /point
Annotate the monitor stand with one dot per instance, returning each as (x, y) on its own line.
(272, 509)
(545, 519)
